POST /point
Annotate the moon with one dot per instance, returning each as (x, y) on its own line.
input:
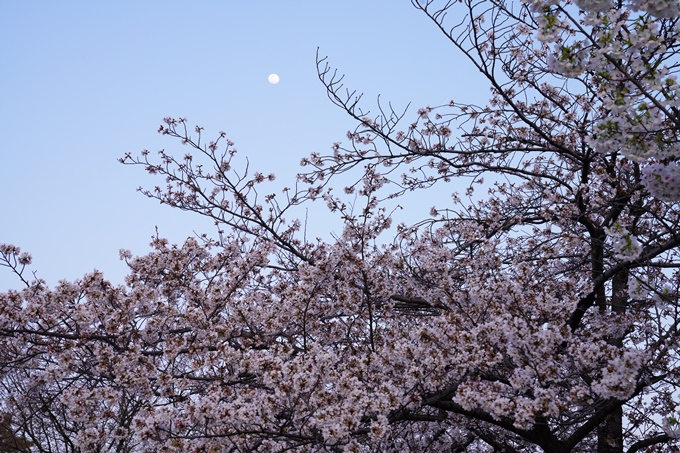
(273, 79)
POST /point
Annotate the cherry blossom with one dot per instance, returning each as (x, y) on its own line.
(538, 314)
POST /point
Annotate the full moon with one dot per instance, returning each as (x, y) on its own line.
(273, 78)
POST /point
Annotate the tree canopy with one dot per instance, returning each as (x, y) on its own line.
(540, 315)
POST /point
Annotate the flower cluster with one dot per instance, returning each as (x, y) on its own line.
(624, 54)
(625, 245)
(671, 427)
(662, 180)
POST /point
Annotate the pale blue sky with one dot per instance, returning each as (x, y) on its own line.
(81, 83)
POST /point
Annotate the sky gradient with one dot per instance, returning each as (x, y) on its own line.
(82, 83)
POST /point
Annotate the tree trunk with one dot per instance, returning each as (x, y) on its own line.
(610, 432)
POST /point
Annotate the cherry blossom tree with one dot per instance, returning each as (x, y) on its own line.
(539, 315)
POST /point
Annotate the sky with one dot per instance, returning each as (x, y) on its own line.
(82, 83)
